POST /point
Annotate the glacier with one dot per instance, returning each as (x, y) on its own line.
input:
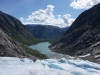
(25, 66)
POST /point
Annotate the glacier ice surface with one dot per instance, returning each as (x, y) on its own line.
(25, 66)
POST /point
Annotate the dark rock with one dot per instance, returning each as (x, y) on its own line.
(83, 37)
(10, 48)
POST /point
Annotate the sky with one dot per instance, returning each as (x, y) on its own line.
(60, 13)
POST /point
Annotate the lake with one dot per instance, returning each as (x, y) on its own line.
(43, 48)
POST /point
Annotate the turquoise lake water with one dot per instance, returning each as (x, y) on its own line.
(43, 48)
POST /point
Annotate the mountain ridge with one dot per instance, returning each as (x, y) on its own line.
(46, 31)
(14, 28)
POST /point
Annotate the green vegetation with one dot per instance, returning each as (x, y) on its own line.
(35, 53)
(97, 29)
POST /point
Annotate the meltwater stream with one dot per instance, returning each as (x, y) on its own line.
(43, 48)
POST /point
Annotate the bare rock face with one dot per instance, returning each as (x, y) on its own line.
(82, 39)
(8, 47)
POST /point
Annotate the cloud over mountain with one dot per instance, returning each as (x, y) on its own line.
(46, 16)
(83, 4)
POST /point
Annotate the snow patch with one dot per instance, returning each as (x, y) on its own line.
(85, 55)
(97, 56)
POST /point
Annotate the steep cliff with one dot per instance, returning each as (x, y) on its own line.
(83, 37)
(8, 47)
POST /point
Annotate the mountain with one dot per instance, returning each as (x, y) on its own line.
(82, 39)
(15, 38)
(46, 31)
(14, 28)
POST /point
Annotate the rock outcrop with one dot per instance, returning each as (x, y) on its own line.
(8, 47)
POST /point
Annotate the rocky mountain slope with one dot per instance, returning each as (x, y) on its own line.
(14, 38)
(46, 31)
(14, 28)
(82, 39)
(8, 47)
(11, 48)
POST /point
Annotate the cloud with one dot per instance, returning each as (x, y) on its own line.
(83, 4)
(47, 17)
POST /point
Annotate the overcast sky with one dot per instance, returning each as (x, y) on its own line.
(53, 12)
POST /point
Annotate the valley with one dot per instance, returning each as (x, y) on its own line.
(48, 44)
